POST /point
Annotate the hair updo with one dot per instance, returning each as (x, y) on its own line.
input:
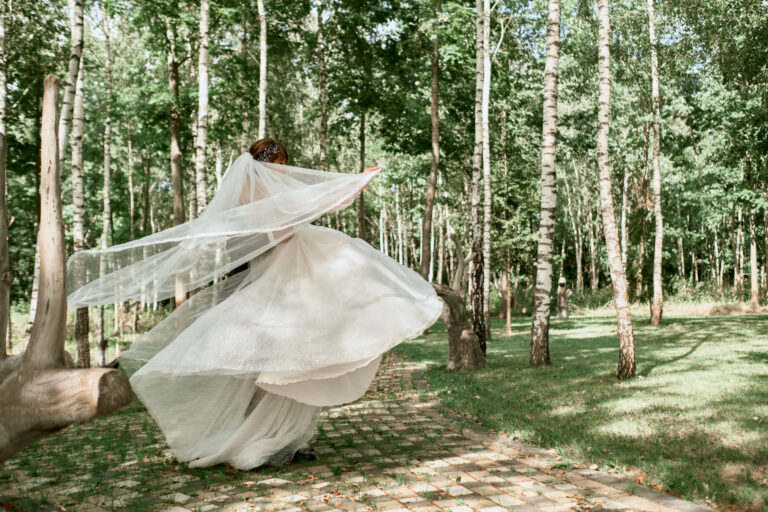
(268, 150)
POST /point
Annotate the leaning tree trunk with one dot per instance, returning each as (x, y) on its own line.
(542, 293)
(75, 56)
(202, 110)
(476, 274)
(38, 394)
(262, 69)
(486, 169)
(107, 210)
(78, 222)
(464, 350)
(323, 92)
(361, 196)
(620, 288)
(177, 159)
(657, 305)
(429, 201)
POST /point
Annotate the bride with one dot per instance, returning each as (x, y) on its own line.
(289, 316)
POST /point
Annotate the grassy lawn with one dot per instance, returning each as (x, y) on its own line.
(694, 421)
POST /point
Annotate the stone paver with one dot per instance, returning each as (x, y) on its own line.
(389, 451)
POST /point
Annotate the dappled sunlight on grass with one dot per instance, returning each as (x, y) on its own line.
(696, 407)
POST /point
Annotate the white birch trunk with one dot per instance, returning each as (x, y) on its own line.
(626, 367)
(262, 69)
(75, 55)
(202, 110)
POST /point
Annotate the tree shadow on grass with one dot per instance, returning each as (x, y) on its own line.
(691, 417)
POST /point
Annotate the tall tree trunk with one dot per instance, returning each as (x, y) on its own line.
(323, 90)
(262, 69)
(146, 162)
(202, 110)
(657, 305)
(542, 293)
(476, 272)
(131, 195)
(177, 159)
(486, 169)
(578, 240)
(426, 233)
(594, 263)
(718, 268)
(620, 289)
(624, 218)
(78, 228)
(5, 266)
(75, 55)
(361, 197)
(640, 259)
(107, 209)
(754, 287)
(219, 164)
(244, 105)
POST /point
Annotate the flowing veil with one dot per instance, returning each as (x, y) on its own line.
(255, 200)
(238, 373)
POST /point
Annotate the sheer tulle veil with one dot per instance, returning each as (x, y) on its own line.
(255, 200)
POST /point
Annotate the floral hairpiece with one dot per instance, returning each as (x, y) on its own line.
(267, 154)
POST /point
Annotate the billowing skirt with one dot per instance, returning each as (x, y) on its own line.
(239, 372)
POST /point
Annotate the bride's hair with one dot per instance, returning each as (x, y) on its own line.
(268, 150)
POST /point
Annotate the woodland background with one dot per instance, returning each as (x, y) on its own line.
(348, 84)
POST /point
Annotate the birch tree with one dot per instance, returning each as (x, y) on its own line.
(262, 69)
(477, 301)
(657, 304)
(543, 289)
(626, 367)
(75, 55)
(78, 221)
(107, 211)
(202, 109)
(429, 200)
(486, 169)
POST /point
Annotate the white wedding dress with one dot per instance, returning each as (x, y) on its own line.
(240, 371)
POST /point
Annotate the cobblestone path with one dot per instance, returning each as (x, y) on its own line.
(390, 451)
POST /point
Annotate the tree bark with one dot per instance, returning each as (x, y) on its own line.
(626, 366)
(37, 395)
(262, 69)
(539, 355)
(75, 55)
(477, 301)
(464, 352)
(657, 305)
(6, 278)
(578, 240)
(486, 169)
(131, 194)
(202, 110)
(78, 231)
(323, 90)
(426, 232)
(177, 159)
(563, 294)
(624, 218)
(361, 233)
(754, 287)
(107, 209)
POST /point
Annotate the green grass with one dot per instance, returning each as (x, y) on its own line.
(694, 420)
